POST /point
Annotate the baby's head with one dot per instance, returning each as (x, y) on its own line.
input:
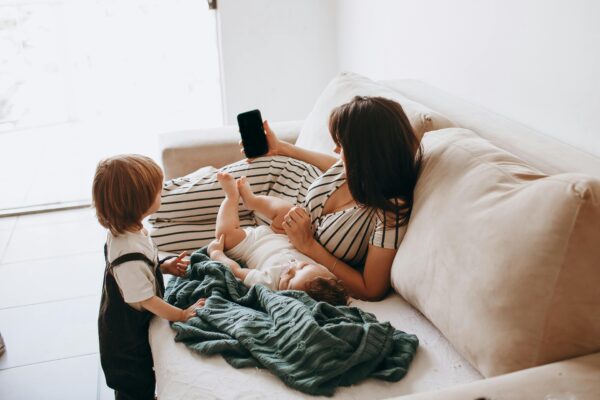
(316, 280)
(126, 189)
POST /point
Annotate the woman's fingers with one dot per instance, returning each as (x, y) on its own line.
(292, 216)
(296, 215)
(267, 128)
(299, 213)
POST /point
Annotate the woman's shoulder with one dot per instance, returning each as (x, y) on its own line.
(333, 174)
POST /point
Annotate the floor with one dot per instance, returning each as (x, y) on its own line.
(51, 268)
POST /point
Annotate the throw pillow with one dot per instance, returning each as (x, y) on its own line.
(503, 259)
(315, 131)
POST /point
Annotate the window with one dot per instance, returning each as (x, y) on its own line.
(84, 79)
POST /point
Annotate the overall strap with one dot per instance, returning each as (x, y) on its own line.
(132, 257)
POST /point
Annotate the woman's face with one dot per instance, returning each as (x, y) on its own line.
(338, 150)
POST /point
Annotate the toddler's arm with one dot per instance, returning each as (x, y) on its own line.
(158, 306)
(215, 251)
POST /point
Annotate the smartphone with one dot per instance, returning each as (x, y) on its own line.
(253, 134)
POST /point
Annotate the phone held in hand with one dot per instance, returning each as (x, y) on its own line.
(253, 134)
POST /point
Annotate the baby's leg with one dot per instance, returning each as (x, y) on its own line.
(228, 220)
(271, 207)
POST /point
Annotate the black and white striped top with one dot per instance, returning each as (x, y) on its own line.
(346, 234)
(186, 219)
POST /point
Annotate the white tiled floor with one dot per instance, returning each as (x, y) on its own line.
(51, 268)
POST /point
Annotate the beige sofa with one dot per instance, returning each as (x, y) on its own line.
(498, 274)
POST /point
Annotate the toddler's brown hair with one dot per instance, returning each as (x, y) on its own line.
(125, 187)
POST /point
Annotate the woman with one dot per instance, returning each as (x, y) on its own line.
(353, 215)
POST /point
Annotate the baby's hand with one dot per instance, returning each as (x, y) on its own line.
(176, 266)
(216, 245)
(191, 310)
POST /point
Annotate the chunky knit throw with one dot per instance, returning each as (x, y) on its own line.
(312, 346)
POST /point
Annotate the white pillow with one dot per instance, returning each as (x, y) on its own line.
(315, 131)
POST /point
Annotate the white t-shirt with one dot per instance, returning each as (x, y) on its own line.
(135, 278)
(267, 254)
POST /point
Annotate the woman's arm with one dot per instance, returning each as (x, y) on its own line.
(281, 148)
(320, 160)
(372, 284)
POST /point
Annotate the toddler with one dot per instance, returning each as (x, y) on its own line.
(270, 257)
(126, 189)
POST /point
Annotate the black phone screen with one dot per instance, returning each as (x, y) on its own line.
(253, 134)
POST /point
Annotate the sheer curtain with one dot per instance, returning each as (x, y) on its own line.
(84, 79)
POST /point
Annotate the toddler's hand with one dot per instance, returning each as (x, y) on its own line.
(191, 310)
(216, 245)
(176, 266)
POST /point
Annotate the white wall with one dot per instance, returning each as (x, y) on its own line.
(277, 55)
(536, 61)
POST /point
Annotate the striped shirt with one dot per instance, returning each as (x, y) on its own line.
(347, 233)
(186, 219)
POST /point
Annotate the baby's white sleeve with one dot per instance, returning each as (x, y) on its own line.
(268, 278)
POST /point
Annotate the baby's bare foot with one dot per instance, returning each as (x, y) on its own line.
(228, 184)
(246, 192)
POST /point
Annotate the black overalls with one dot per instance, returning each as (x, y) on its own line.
(124, 346)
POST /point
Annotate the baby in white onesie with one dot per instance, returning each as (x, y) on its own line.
(270, 257)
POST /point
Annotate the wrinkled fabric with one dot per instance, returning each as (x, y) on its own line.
(312, 346)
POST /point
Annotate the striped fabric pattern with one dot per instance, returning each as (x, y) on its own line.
(186, 219)
(347, 234)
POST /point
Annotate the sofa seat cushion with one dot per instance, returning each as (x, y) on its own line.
(503, 259)
(315, 131)
(436, 365)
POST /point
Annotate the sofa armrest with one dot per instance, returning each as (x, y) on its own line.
(185, 151)
(577, 378)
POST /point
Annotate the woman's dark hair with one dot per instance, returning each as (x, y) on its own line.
(382, 154)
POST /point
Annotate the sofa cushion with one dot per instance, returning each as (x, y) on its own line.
(315, 131)
(503, 259)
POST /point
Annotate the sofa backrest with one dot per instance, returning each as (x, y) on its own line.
(538, 150)
(315, 131)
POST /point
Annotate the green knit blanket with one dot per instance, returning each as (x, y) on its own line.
(312, 346)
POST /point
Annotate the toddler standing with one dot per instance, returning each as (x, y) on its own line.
(126, 189)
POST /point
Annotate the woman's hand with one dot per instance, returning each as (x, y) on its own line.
(276, 146)
(175, 266)
(297, 226)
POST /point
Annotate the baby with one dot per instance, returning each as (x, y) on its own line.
(270, 257)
